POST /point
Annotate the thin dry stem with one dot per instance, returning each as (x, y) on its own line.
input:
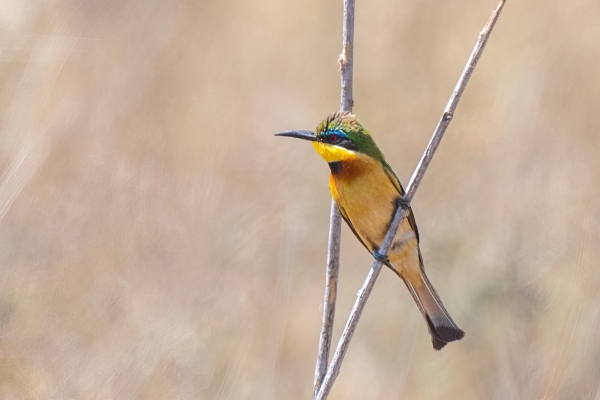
(335, 220)
(331, 279)
(400, 213)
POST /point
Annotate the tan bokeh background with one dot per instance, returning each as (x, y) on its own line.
(157, 242)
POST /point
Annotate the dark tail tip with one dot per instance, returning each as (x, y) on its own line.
(443, 331)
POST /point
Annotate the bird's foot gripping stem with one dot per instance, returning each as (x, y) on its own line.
(401, 202)
(382, 258)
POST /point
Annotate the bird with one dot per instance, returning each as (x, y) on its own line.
(367, 193)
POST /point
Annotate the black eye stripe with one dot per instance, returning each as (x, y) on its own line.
(346, 143)
(338, 140)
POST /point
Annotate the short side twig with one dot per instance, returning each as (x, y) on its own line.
(335, 219)
(400, 214)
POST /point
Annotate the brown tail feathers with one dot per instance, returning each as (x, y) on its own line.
(442, 328)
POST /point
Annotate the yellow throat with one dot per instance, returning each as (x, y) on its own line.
(333, 153)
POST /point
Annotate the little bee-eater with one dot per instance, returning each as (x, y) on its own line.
(366, 191)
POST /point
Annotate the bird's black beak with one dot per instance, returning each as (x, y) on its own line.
(306, 135)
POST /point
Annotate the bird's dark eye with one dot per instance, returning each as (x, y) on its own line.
(334, 138)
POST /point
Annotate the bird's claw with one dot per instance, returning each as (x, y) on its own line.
(382, 258)
(401, 202)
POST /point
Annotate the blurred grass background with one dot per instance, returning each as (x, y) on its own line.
(157, 242)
